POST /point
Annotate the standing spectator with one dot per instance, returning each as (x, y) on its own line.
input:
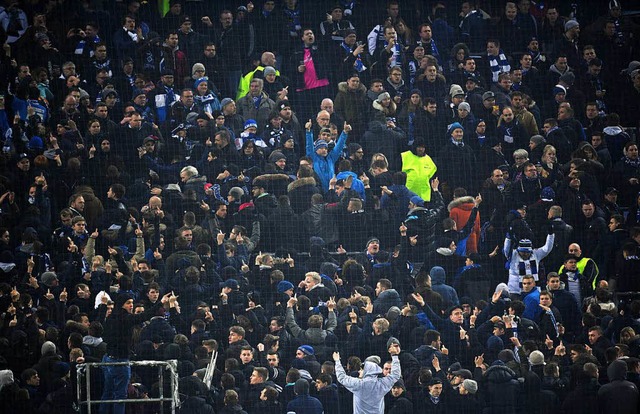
(230, 51)
(117, 335)
(310, 65)
(369, 391)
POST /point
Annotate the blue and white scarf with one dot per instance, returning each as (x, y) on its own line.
(395, 57)
(498, 64)
(357, 65)
(293, 17)
(83, 43)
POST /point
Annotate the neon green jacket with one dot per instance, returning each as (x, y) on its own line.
(419, 171)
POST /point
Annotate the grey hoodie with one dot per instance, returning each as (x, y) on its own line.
(369, 391)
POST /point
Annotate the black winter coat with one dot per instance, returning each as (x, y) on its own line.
(501, 390)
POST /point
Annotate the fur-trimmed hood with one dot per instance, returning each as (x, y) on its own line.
(271, 178)
(301, 182)
(387, 112)
(460, 202)
(342, 87)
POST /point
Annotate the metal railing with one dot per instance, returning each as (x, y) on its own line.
(83, 372)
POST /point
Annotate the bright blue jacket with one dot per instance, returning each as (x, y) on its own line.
(325, 166)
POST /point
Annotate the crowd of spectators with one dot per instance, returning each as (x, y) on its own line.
(373, 206)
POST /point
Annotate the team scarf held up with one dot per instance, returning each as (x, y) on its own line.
(498, 64)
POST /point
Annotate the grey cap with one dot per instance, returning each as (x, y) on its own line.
(470, 385)
(392, 341)
(236, 192)
(47, 278)
(488, 95)
(465, 106)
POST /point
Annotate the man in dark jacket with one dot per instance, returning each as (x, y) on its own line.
(118, 330)
(301, 190)
(502, 388)
(421, 222)
(386, 297)
(352, 104)
(454, 336)
(327, 393)
(387, 139)
(304, 403)
(619, 396)
(456, 161)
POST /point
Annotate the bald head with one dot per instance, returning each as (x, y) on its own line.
(574, 249)
(155, 202)
(327, 105)
(268, 59)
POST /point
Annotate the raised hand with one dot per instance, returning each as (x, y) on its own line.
(394, 349)
(548, 342)
(418, 298)
(244, 268)
(435, 362)
(463, 334)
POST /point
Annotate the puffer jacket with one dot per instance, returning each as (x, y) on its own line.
(385, 300)
(502, 390)
(459, 211)
(422, 221)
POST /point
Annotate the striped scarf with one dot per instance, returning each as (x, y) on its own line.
(498, 65)
(81, 45)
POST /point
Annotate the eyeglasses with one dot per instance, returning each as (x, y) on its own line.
(199, 70)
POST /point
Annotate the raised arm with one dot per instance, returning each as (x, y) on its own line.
(290, 320)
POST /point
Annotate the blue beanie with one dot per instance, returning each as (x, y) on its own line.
(495, 344)
(417, 200)
(199, 81)
(453, 127)
(307, 349)
(321, 143)
(250, 123)
(284, 285)
(559, 89)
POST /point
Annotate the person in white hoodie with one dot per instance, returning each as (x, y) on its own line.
(369, 390)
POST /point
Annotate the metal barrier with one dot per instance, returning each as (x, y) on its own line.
(83, 371)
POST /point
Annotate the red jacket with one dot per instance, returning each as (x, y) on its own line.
(459, 211)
